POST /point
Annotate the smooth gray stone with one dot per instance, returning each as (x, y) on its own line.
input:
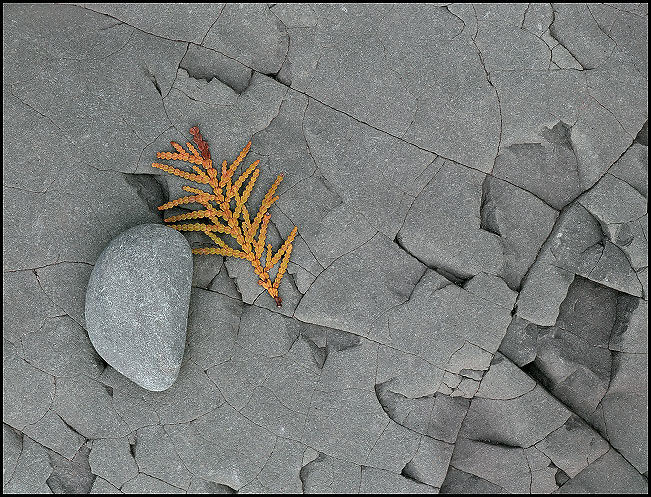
(137, 304)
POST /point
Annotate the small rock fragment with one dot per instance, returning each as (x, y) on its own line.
(111, 459)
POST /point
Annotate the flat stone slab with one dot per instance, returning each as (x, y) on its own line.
(465, 309)
(137, 304)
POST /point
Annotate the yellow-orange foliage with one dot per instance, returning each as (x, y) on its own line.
(250, 234)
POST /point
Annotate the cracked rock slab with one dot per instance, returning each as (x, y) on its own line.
(466, 305)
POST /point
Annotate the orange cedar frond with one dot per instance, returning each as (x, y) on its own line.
(199, 171)
(259, 245)
(240, 181)
(231, 170)
(186, 157)
(221, 251)
(183, 174)
(238, 207)
(201, 143)
(192, 150)
(273, 187)
(246, 220)
(202, 193)
(178, 148)
(201, 227)
(216, 239)
(285, 246)
(210, 250)
(249, 186)
(196, 190)
(222, 180)
(266, 203)
(242, 155)
(224, 192)
(176, 202)
(185, 200)
(282, 268)
(191, 215)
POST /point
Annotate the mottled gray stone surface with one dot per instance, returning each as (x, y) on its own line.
(137, 302)
(466, 305)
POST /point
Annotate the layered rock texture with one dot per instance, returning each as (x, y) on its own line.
(465, 309)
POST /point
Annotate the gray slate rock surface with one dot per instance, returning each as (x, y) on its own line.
(466, 305)
(137, 304)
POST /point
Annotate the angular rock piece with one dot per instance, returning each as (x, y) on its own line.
(26, 391)
(518, 422)
(549, 170)
(71, 476)
(522, 220)
(625, 411)
(609, 474)
(632, 167)
(443, 226)
(143, 484)
(51, 432)
(573, 446)
(111, 460)
(252, 35)
(501, 465)
(377, 481)
(460, 482)
(137, 304)
(360, 286)
(31, 472)
(325, 473)
(12, 447)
